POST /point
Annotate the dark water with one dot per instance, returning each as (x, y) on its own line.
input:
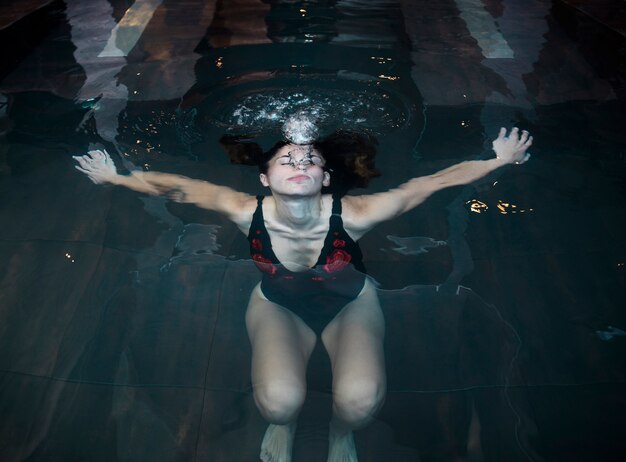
(122, 316)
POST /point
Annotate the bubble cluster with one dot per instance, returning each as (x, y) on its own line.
(300, 128)
(268, 110)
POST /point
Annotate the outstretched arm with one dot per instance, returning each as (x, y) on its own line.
(100, 169)
(364, 212)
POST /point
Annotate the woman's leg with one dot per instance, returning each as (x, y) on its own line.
(281, 347)
(354, 341)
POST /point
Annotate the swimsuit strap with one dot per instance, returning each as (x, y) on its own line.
(336, 205)
(336, 222)
(258, 236)
(258, 222)
(339, 241)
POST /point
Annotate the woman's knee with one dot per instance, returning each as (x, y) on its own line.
(279, 401)
(356, 401)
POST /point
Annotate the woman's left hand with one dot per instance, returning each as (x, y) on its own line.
(512, 148)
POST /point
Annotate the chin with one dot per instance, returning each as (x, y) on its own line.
(303, 191)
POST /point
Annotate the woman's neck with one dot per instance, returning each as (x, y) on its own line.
(298, 212)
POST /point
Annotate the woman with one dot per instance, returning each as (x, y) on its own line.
(304, 242)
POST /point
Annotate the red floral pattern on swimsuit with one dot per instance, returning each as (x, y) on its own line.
(337, 260)
(264, 264)
(256, 245)
(339, 243)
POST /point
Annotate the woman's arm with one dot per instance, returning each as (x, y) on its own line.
(100, 169)
(364, 212)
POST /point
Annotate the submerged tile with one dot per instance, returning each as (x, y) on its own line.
(46, 420)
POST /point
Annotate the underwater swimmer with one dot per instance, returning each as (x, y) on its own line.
(304, 241)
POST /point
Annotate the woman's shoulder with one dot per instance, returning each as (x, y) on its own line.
(248, 203)
(353, 205)
(241, 210)
(353, 214)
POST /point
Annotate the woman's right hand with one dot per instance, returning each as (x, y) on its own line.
(97, 165)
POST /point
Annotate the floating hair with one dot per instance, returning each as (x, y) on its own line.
(241, 151)
(349, 157)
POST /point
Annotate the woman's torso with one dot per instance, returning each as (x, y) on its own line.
(323, 276)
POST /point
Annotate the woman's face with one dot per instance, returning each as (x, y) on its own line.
(296, 170)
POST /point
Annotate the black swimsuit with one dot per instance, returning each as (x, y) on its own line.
(319, 293)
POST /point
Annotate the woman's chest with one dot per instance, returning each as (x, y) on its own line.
(298, 251)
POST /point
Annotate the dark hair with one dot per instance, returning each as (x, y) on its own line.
(243, 152)
(349, 157)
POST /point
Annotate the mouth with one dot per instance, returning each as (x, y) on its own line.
(298, 178)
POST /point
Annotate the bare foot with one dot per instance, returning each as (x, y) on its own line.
(341, 447)
(277, 443)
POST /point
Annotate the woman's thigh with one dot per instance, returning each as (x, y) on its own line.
(281, 342)
(354, 341)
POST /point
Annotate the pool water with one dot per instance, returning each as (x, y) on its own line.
(122, 333)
